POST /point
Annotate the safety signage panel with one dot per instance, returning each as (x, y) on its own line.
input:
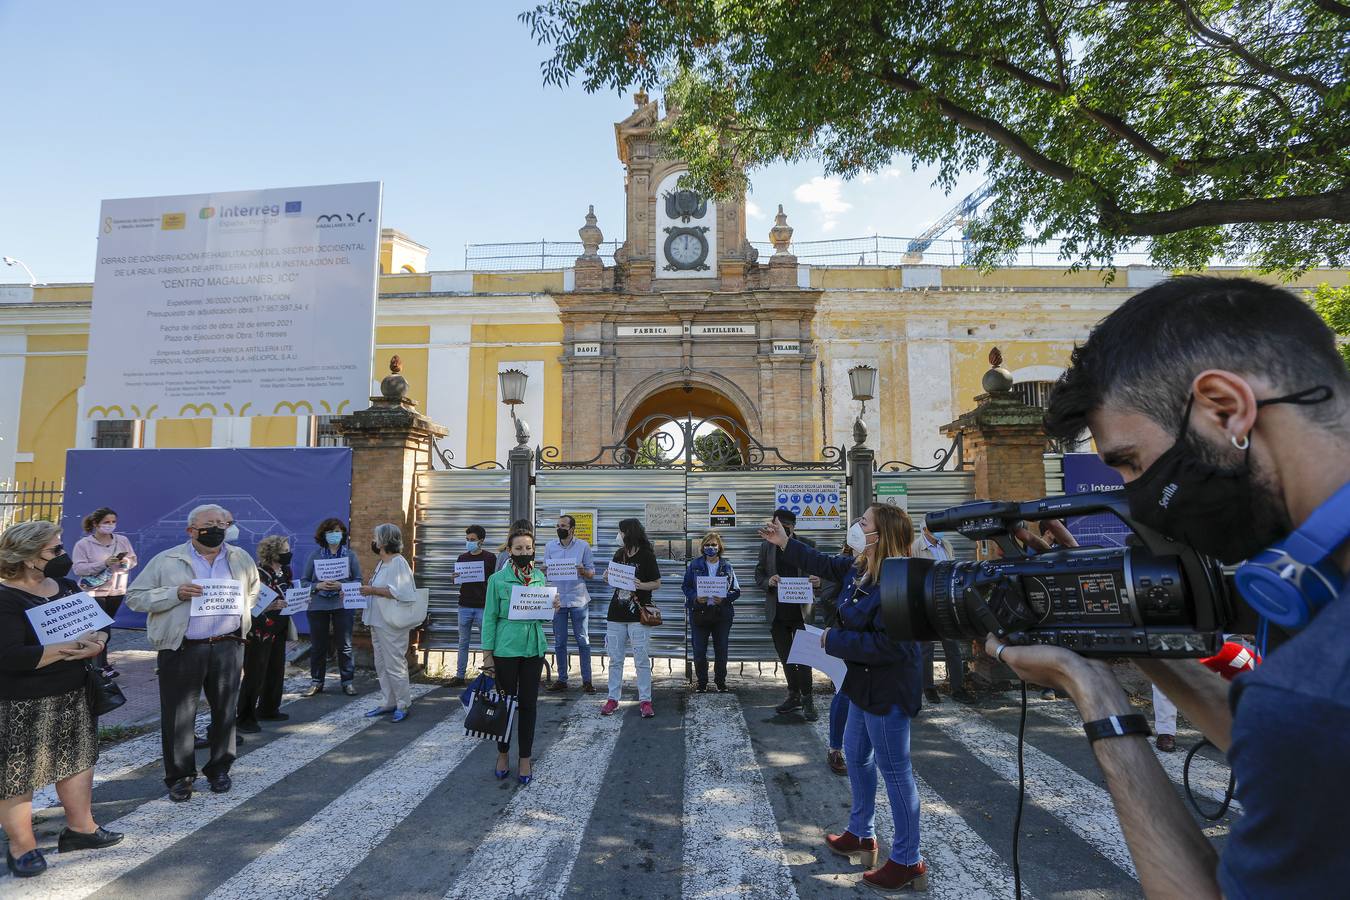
(815, 503)
(721, 509)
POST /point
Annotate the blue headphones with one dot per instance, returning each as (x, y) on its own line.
(1289, 582)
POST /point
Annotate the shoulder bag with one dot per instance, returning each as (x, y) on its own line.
(104, 694)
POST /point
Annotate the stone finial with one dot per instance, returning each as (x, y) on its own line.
(394, 386)
(997, 380)
(590, 235)
(781, 233)
(640, 99)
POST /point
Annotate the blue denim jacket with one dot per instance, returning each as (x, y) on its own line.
(699, 569)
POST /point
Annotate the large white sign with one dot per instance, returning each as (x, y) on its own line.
(67, 618)
(249, 303)
(815, 503)
(219, 597)
(531, 603)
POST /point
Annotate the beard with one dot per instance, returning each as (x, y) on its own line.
(1267, 519)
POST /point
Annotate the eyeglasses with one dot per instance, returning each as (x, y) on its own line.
(209, 525)
(55, 551)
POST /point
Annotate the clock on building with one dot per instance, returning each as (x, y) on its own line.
(686, 249)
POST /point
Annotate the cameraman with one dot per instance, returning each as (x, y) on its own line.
(1225, 406)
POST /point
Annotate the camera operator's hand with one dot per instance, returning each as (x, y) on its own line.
(1053, 534)
(1058, 668)
(774, 534)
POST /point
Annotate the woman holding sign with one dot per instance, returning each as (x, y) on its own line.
(634, 574)
(515, 646)
(710, 589)
(47, 731)
(328, 568)
(265, 646)
(392, 612)
(884, 686)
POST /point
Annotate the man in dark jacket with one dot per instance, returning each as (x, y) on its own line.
(786, 619)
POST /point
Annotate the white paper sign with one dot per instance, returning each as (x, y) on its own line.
(466, 572)
(351, 595)
(621, 576)
(710, 586)
(246, 303)
(67, 618)
(265, 597)
(532, 603)
(219, 597)
(560, 570)
(297, 601)
(806, 651)
(339, 569)
(795, 590)
(663, 517)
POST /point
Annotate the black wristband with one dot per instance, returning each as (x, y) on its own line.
(1117, 726)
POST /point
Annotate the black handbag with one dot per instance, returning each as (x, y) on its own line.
(706, 614)
(104, 694)
(490, 715)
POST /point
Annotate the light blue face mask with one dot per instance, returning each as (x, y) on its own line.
(333, 538)
(471, 546)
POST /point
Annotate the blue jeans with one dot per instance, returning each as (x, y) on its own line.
(339, 622)
(873, 742)
(581, 630)
(838, 718)
(468, 617)
(720, 632)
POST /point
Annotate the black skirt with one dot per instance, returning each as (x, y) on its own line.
(45, 740)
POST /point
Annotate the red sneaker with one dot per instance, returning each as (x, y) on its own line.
(895, 877)
(609, 707)
(860, 851)
(646, 708)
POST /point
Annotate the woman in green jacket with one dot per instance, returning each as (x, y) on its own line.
(515, 648)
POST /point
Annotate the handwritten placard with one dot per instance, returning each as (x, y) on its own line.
(297, 600)
(67, 618)
(621, 576)
(806, 651)
(219, 597)
(532, 603)
(663, 516)
(559, 570)
(351, 595)
(466, 572)
(794, 590)
(710, 586)
(339, 569)
(265, 597)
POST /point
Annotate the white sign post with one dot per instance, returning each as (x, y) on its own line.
(621, 576)
(219, 597)
(710, 586)
(67, 618)
(532, 603)
(794, 590)
(351, 595)
(249, 303)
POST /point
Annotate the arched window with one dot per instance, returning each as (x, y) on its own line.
(407, 267)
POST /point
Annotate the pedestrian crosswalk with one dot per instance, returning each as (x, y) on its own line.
(716, 797)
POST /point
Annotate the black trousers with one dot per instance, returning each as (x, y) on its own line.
(264, 670)
(109, 605)
(183, 675)
(798, 677)
(952, 651)
(520, 675)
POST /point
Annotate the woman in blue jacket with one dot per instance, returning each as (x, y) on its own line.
(884, 685)
(710, 616)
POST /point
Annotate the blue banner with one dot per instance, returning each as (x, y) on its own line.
(1085, 472)
(286, 491)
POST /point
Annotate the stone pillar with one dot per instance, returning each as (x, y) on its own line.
(861, 463)
(520, 463)
(391, 443)
(1005, 442)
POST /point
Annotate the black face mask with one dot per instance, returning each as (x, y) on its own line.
(563, 533)
(1222, 511)
(58, 566)
(211, 537)
(285, 558)
(522, 559)
(375, 548)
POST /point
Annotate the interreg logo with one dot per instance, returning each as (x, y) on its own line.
(292, 207)
(206, 212)
(266, 211)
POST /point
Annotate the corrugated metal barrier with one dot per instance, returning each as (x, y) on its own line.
(931, 491)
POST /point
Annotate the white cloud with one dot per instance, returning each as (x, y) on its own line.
(891, 172)
(866, 178)
(826, 194)
(752, 210)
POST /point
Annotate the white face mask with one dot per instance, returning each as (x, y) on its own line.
(232, 533)
(107, 529)
(618, 539)
(857, 538)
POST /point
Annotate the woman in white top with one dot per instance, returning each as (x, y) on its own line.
(391, 613)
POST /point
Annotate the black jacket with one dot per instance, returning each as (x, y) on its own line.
(766, 568)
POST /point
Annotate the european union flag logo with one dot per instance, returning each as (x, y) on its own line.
(292, 207)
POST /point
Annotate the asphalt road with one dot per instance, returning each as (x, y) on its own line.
(717, 796)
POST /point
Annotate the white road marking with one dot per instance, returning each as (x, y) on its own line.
(961, 866)
(159, 824)
(1051, 785)
(732, 847)
(1208, 779)
(548, 817)
(120, 760)
(325, 849)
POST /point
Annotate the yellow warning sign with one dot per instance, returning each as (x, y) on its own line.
(721, 509)
(820, 511)
(834, 510)
(723, 506)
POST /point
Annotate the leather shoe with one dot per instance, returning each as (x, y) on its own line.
(313, 689)
(860, 851)
(273, 717)
(556, 687)
(1167, 743)
(587, 687)
(932, 696)
(220, 784)
(29, 864)
(181, 790)
(835, 758)
(895, 877)
(249, 726)
(96, 840)
(349, 689)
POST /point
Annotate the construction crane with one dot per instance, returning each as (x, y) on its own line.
(960, 214)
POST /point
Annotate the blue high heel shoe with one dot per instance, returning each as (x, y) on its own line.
(526, 779)
(501, 773)
(399, 715)
(376, 713)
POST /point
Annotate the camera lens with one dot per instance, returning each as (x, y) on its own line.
(903, 607)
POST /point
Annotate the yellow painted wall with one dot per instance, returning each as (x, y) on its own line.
(49, 407)
(517, 282)
(50, 293)
(482, 416)
(410, 343)
(273, 431)
(183, 433)
(970, 360)
(404, 283)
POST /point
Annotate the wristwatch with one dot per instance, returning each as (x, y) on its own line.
(1117, 726)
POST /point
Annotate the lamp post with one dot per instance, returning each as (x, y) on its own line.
(862, 380)
(11, 261)
(520, 459)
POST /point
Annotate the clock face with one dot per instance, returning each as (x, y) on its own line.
(686, 249)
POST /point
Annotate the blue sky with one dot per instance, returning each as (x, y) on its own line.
(442, 101)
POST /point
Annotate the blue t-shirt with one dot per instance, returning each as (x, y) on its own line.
(1291, 756)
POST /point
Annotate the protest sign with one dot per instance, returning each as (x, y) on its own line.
(710, 586)
(339, 569)
(621, 576)
(351, 595)
(532, 603)
(67, 618)
(560, 569)
(297, 601)
(219, 597)
(466, 572)
(794, 590)
(265, 597)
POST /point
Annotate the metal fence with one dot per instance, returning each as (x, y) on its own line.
(24, 501)
(531, 256)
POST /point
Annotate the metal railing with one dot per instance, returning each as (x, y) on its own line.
(25, 501)
(533, 256)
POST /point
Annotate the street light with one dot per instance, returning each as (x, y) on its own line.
(511, 383)
(862, 379)
(11, 261)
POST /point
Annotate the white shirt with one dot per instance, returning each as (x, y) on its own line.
(397, 576)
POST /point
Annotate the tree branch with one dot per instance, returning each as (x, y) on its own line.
(1334, 205)
(1331, 6)
(1198, 26)
(1052, 35)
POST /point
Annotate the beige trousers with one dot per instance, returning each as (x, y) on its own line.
(391, 664)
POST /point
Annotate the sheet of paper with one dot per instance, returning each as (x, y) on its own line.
(559, 570)
(466, 572)
(532, 603)
(332, 569)
(297, 601)
(794, 590)
(67, 618)
(351, 595)
(621, 576)
(710, 586)
(806, 651)
(219, 597)
(265, 597)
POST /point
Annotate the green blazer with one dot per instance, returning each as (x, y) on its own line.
(502, 635)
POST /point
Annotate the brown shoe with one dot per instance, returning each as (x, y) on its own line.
(1167, 743)
(860, 851)
(556, 687)
(895, 877)
(835, 758)
(587, 687)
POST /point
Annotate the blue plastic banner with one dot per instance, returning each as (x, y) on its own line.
(1085, 472)
(268, 491)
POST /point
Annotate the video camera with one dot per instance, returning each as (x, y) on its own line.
(1157, 598)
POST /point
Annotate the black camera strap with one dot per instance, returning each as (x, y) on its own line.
(1117, 726)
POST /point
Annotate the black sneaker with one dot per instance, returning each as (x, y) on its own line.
(97, 840)
(457, 681)
(722, 687)
(702, 688)
(809, 708)
(931, 695)
(963, 696)
(793, 701)
(248, 726)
